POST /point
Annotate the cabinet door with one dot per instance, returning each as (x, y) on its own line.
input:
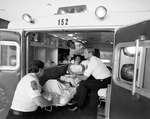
(50, 73)
(53, 73)
(62, 70)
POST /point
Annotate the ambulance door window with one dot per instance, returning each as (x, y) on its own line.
(124, 64)
(129, 72)
(9, 52)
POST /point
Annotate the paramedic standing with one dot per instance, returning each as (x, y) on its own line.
(27, 96)
(76, 48)
(95, 76)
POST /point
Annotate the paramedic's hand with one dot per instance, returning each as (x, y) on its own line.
(45, 93)
(55, 99)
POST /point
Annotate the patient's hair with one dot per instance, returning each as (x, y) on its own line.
(81, 57)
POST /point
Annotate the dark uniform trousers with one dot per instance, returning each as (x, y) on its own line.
(91, 85)
(13, 114)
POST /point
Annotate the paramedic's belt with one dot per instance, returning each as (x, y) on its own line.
(15, 112)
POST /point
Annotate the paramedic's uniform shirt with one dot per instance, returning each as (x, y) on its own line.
(84, 63)
(97, 69)
(27, 89)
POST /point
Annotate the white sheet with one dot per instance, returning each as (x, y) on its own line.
(55, 87)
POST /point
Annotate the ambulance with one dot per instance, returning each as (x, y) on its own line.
(118, 29)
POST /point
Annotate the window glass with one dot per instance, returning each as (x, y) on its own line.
(106, 57)
(124, 65)
(9, 52)
(124, 68)
(130, 51)
(146, 75)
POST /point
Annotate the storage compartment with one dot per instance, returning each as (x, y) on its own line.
(43, 47)
(62, 55)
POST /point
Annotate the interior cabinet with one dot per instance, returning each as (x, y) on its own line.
(62, 44)
(43, 48)
(46, 48)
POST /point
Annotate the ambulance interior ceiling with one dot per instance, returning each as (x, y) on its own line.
(89, 38)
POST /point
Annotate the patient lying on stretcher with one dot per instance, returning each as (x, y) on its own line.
(73, 69)
(66, 87)
(54, 87)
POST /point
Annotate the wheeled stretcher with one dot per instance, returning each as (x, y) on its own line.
(54, 87)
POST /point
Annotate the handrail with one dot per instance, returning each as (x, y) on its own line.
(135, 67)
(107, 107)
(141, 63)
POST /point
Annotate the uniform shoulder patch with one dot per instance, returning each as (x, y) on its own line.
(34, 85)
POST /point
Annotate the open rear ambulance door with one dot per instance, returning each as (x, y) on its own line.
(10, 68)
(130, 95)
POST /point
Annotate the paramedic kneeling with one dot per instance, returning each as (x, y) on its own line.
(27, 96)
(95, 76)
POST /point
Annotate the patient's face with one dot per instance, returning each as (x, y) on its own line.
(77, 60)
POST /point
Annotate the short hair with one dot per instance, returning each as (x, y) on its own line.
(90, 50)
(35, 65)
(70, 43)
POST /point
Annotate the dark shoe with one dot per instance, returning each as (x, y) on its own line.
(74, 107)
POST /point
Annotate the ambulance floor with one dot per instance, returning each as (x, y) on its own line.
(62, 112)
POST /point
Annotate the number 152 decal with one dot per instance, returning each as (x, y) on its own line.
(63, 22)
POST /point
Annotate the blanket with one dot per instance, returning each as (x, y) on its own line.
(54, 87)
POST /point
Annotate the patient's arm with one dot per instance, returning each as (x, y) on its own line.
(69, 70)
(79, 72)
(83, 69)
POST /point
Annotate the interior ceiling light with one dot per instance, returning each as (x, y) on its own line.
(27, 18)
(75, 37)
(101, 12)
(70, 35)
